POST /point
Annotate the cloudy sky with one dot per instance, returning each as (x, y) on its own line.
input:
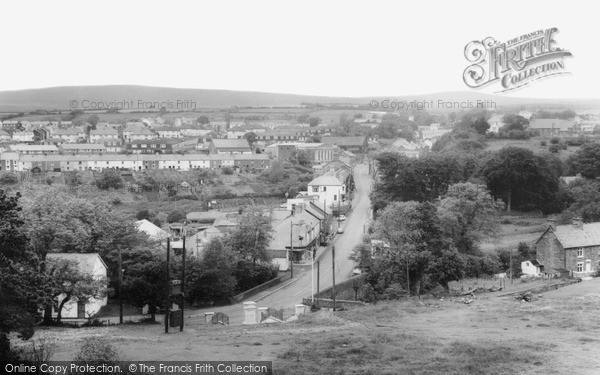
(333, 48)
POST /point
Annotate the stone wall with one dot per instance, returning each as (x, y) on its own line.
(549, 252)
(591, 254)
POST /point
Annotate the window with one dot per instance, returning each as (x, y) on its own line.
(579, 267)
(580, 252)
(315, 189)
(324, 188)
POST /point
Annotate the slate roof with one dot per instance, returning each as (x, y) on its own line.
(151, 230)
(325, 180)
(344, 141)
(551, 123)
(231, 143)
(571, 236)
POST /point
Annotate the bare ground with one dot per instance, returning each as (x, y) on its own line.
(554, 334)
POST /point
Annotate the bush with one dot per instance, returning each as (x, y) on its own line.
(8, 179)
(554, 141)
(543, 143)
(554, 148)
(111, 179)
(227, 170)
(143, 215)
(97, 349)
(39, 351)
(175, 216)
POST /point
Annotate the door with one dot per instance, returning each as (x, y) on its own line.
(80, 310)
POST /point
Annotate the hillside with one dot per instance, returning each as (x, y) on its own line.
(59, 98)
(495, 334)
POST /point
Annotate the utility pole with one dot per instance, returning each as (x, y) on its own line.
(291, 257)
(168, 288)
(511, 267)
(407, 274)
(318, 278)
(120, 287)
(182, 280)
(333, 273)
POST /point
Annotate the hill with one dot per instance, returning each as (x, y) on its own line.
(59, 98)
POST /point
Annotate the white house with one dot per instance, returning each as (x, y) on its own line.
(103, 133)
(90, 264)
(531, 267)
(24, 136)
(329, 189)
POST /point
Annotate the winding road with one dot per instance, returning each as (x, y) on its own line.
(290, 292)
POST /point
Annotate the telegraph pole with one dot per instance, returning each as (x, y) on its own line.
(318, 278)
(333, 273)
(168, 288)
(120, 287)
(182, 280)
(291, 249)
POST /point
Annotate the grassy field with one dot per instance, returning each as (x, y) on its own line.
(556, 333)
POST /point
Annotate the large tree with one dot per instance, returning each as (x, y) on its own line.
(422, 179)
(210, 279)
(586, 161)
(469, 214)
(22, 284)
(145, 284)
(520, 178)
(251, 239)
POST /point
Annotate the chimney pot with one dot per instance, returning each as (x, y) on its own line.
(552, 222)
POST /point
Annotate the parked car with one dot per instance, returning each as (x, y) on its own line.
(340, 229)
(342, 217)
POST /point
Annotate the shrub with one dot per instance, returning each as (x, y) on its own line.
(543, 143)
(97, 349)
(554, 141)
(8, 179)
(143, 214)
(175, 216)
(227, 170)
(554, 148)
(39, 351)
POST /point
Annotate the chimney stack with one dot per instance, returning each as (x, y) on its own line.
(578, 222)
(552, 222)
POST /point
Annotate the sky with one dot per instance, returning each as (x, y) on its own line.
(329, 48)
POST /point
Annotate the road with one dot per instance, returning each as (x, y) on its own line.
(290, 293)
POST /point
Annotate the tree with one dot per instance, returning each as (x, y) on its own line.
(210, 279)
(93, 120)
(586, 161)
(8, 179)
(514, 122)
(110, 179)
(203, 120)
(145, 284)
(68, 283)
(175, 217)
(469, 214)
(422, 179)
(22, 285)
(314, 121)
(519, 178)
(251, 239)
(413, 231)
(251, 137)
(143, 215)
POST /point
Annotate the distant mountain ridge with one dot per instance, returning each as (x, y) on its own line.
(61, 98)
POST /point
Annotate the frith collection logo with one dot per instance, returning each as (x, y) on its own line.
(515, 63)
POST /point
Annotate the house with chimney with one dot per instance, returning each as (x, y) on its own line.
(569, 250)
(296, 235)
